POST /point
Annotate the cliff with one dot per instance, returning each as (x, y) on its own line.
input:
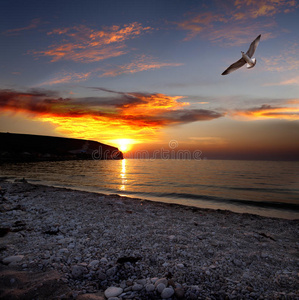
(26, 147)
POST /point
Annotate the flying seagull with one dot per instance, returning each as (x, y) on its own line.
(246, 58)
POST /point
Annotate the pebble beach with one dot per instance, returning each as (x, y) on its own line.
(58, 243)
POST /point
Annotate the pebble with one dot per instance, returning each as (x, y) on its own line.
(12, 259)
(104, 260)
(167, 292)
(153, 280)
(101, 275)
(77, 271)
(141, 281)
(111, 272)
(161, 280)
(160, 287)
(137, 287)
(150, 288)
(85, 252)
(113, 291)
(94, 264)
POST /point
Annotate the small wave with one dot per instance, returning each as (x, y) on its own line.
(268, 190)
(240, 202)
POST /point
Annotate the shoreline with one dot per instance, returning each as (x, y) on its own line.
(260, 209)
(116, 241)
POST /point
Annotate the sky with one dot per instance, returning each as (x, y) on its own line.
(146, 75)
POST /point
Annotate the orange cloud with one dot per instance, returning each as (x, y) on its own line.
(143, 63)
(269, 112)
(199, 23)
(231, 35)
(217, 28)
(66, 78)
(290, 81)
(268, 8)
(232, 25)
(83, 44)
(293, 101)
(125, 115)
(33, 24)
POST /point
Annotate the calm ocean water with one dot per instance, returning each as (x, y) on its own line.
(261, 187)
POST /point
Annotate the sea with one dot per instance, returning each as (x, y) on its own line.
(266, 188)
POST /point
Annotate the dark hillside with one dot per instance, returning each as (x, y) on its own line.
(25, 147)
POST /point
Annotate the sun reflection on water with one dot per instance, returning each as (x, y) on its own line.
(123, 175)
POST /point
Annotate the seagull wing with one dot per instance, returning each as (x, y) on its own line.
(238, 64)
(253, 46)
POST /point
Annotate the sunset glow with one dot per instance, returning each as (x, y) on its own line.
(124, 145)
(138, 77)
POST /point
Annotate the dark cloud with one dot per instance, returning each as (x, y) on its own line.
(135, 108)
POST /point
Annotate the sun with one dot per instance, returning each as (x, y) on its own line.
(124, 145)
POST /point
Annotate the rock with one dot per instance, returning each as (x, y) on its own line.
(94, 264)
(167, 292)
(160, 287)
(113, 291)
(104, 260)
(154, 279)
(130, 259)
(161, 280)
(137, 287)
(12, 259)
(150, 288)
(90, 297)
(101, 275)
(237, 262)
(77, 271)
(111, 272)
(180, 266)
(141, 281)
(113, 298)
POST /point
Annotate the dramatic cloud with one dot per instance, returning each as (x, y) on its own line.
(84, 44)
(242, 14)
(33, 24)
(122, 114)
(269, 112)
